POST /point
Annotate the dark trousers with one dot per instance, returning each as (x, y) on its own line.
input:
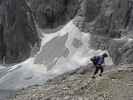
(98, 68)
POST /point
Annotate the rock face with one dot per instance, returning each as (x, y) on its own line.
(91, 9)
(53, 13)
(107, 17)
(106, 20)
(18, 34)
(112, 18)
(121, 51)
(110, 24)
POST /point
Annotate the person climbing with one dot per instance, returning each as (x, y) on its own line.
(98, 62)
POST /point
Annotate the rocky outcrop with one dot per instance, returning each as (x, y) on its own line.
(121, 51)
(18, 33)
(110, 24)
(106, 17)
(112, 18)
(50, 14)
(91, 9)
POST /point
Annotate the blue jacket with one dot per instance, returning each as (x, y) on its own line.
(97, 60)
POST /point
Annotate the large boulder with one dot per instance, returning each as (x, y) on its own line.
(18, 33)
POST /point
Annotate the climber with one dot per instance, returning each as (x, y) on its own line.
(98, 62)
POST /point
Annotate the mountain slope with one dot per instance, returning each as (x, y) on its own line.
(116, 84)
(58, 54)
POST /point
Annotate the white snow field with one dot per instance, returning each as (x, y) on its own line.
(60, 52)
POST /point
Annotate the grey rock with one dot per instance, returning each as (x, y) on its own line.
(114, 50)
(77, 43)
(110, 16)
(18, 33)
(50, 14)
(108, 21)
(91, 9)
(99, 42)
(120, 50)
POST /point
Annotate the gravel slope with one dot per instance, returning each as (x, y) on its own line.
(77, 85)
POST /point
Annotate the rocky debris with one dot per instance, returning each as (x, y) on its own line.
(114, 85)
(50, 14)
(18, 34)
